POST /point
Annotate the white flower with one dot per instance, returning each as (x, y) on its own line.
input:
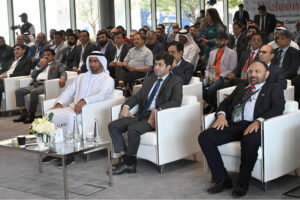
(43, 126)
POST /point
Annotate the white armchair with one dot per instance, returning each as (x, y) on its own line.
(8, 96)
(175, 136)
(223, 93)
(279, 151)
(194, 88)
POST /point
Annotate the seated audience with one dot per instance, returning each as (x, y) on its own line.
(191, 50)
(266, 54)
(160, 91)
(103, 44)
(172, 35)
(132, 33)
(36, 51)
(138, 61)
(17, 66)
(119, 52)
(160, 37)
(286, 56)
(21, 41)
(48, 68)
(180, 67)
(274, 44)
(82, 52)
(222, 61)
(143, 33)
(239, 118)
(121, 29)
(51, 35)
(153, 44)
(69, 53)
(93, 86)
(6, 52)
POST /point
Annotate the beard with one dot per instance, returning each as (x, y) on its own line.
(103, 43)
(71, 43)
(220, 46)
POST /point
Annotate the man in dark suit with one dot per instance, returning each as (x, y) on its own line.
(239, 118)
(119, 52)
(18, 66)
(238, 41)
(153, 44)
(180, 67)
(266, 54)
(286, 56)
(69, 53)
(241, 16)
(6, 52)
(82, 52)
(247, 57)
(160, 91)
(265, 20)
(103, 44)
(46, 69)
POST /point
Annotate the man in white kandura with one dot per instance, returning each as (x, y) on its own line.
(93, 86)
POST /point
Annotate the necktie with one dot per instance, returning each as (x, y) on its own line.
(248, 62)
(279, 56)
(150, 99)
(262, 28)
(247, 94)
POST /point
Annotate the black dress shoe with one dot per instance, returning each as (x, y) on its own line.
(21, 118)
(29, 119)
(123, 168)
(220, 186)
(240, 190)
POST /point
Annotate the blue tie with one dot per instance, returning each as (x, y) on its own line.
(149, 101)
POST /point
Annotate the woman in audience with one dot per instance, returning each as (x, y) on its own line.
(214, 25)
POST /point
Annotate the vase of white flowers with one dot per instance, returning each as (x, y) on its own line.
(43, 128)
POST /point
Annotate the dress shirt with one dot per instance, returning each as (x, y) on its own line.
(139, 57)
(236, 38)
(103, 49)
(118, 53)
(44, 74)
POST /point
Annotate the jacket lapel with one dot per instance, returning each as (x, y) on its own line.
(164, 84)
(260, 97)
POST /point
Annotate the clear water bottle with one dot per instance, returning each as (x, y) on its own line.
(97, 138)
(76, 133)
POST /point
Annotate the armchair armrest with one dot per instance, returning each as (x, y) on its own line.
(221, 94)
(25, 82)
(136, 88)
(289, 93)
(47, 105)
(177, 132)
(280, 143)
(115, 111)
(208, 120)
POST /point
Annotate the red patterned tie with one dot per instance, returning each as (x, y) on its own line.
(248, 62)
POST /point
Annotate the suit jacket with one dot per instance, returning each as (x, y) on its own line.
(69, 58)
(290, 63)
(123, 53)
(109, 49)
(245, 17)
(245, 55)
(32, 51)
(270, 101)
(185, 70)
(241, 44)
(6, 53)
(22, 69)
(270, 22)
(56, 70)
(228, 61)
(277, 76)
(87, 50)
(169, 95)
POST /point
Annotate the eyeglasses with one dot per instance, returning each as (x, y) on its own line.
(256, 40)
(264, 52)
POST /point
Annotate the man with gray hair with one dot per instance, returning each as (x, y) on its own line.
(153, 44)
(274, 42)
(286, 56)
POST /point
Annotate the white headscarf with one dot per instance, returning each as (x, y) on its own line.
(190, 39)
(100, 57)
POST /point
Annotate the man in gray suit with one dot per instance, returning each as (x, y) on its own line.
(160, 91)
(46, 69)
(222, 61)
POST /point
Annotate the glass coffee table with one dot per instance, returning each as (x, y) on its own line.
(62, 150)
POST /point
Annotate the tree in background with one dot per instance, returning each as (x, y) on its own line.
(88, 12)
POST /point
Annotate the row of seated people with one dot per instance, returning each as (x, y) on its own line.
(161, 91)
(225, 70)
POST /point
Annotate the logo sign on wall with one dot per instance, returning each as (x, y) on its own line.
(287, 11)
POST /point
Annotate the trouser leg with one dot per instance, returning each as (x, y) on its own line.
(20, 95)
(211, 92)
(34, 98)
(249, 148)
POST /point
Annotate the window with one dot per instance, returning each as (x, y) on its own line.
(190, 10)
(32, 8)
(57, 15)
(4, 31)
(140, 14)
(233, 6)
(166, 13)
(120, 18)
(87, 16)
